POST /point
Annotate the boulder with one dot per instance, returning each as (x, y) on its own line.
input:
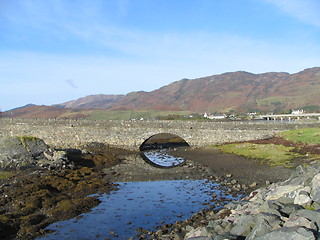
(313, 216)
(288, 191)
(243, 225)
(27, 152)
(301, 221)
(292, 233)
(315, 192)
(261, 228)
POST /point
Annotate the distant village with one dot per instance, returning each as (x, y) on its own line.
(295, 114)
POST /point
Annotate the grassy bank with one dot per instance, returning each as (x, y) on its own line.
(273, 155)
(278, 154)
(306, 136)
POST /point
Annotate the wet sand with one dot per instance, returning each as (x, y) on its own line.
(243, 169)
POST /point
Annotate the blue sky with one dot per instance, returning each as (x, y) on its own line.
(58, 50)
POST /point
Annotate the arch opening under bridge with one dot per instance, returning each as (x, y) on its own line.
(156, 150)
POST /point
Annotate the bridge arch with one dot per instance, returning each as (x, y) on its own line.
(157, 150)
(163, 140)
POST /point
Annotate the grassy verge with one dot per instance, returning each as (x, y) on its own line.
(306, 136)
(276, 154)
(271, 154)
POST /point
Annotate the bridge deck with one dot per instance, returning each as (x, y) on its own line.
(290, 115)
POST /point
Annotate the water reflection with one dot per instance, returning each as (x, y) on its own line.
(162, 158)
(139, 204)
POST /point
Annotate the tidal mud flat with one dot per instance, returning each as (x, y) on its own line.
(244, 170)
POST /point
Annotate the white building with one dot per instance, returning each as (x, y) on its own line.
(214, 116)
(297, 112)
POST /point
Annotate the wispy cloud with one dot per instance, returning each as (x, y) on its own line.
(305, 10)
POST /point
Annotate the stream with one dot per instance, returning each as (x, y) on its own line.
(142, 205)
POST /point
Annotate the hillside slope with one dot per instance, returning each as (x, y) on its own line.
(93, 101)
(275, 92)
(239, 91)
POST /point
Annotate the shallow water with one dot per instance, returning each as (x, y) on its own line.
(139, 204)
(163, 158)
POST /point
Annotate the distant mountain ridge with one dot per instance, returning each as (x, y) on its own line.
(239, 91)
(224, 93)
(93, 101)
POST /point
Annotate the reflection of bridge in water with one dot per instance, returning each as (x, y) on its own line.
(290, 116)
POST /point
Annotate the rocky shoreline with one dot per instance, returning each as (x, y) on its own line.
(42, 190)
(53, 185)
(283, 210)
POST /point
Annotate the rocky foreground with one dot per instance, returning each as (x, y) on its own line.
(54, 186)
(284, 210)
(47, 185)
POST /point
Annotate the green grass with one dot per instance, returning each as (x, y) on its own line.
(5, 175)
(126, 115)
(267, 102)
(271, 154)
(306, 136)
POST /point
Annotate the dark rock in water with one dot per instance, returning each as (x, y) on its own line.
(25, 152)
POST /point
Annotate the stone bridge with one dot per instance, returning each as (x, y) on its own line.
(132, 134)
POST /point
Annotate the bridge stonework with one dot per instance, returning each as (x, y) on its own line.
(131, 134)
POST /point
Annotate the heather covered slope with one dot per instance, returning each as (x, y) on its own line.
(93, 101)
(241, 91)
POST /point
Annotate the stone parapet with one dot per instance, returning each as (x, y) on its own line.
(131, 134)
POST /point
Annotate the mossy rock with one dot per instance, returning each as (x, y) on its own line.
(23, 152)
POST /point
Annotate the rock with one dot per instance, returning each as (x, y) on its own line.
(13, 154)
(253, 185)
(292, 233)
(273, 220)
(243, 225)
(300, 221)
(271, 207)
(198, 232)
(309, 214)
(261, 228)
(282, 211)
(302, 175)
(303, 198)
(289, 208)
(315, 192)
(233, 181)
(289, 191)
(315, 206)
(26, 152)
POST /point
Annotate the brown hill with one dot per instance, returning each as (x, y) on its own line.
(36, 111)
(93, 101)
(239, 91)
(224, 93)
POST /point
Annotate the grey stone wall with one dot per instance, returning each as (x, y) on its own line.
(131, 134)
